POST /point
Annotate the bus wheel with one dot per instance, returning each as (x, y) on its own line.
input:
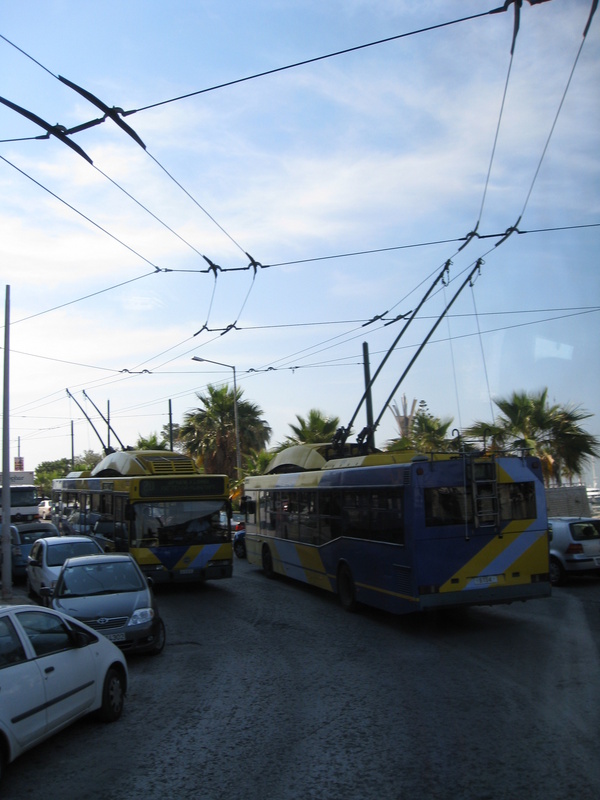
(346, 589)
(267, 562)
(557, 572)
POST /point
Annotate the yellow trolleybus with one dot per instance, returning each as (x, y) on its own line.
(157, 506)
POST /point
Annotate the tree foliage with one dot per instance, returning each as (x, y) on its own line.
(423, 432)
(47, 471)
(552, 432)
(208, 432)
(315, 428)
(151, 442)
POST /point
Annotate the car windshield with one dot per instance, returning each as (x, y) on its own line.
(182, 523)
(59, 552)
(111, 577)
(590, 529)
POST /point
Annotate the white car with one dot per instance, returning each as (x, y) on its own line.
(45, 560)
(45, 509)
(53, 670)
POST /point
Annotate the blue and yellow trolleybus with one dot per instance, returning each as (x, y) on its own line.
(430, 532)
(157, 506)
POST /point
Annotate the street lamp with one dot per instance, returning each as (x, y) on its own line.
(238, 453)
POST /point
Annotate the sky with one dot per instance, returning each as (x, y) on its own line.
(289, 211)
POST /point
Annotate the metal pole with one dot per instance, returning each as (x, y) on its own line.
(6, 509)
(238, 452)
(369, 403)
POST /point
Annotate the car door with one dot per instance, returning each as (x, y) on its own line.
(22, 690)
(69, 672)
(34, 571)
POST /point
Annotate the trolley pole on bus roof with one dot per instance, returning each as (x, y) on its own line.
(238, 452)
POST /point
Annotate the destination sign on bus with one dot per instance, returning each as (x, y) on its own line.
(193, 486)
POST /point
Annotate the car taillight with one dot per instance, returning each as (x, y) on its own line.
(16, 551)
(573, 549)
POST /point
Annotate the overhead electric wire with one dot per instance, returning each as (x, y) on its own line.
(315, 59)
(502, 237)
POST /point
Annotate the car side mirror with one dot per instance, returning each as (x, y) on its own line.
(46, 591)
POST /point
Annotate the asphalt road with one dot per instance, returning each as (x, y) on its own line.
(269, 690)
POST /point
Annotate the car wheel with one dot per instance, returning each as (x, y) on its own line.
(113, 696)
(267, 562)
(557, 572)
(346, 588)
(161, 639)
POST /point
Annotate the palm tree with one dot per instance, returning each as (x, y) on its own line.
(151, 442)
(552, 433)
(256, 462)
(424, 433)
(316, 428)
(208, 432)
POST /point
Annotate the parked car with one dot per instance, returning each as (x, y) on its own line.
(574, 547)
(22, 539)
(110, 593)
(45, 509)
(48, 555)
(53, 670)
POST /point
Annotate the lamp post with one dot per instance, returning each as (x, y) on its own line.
(238, 453)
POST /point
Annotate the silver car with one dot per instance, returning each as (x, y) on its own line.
(574, 547)
(49, 554)
(110, 593)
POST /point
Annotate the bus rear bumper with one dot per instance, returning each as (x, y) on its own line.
(486, 596)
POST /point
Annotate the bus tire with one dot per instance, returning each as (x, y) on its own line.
(267, 561)
(346, 588)
(557, 572)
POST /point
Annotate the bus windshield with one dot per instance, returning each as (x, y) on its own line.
(186, 522)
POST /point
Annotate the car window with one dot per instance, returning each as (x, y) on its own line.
(46, 632)
(106, 578)
(590, 529)
(11, 649)
(58, 553)
(35, 550)
(29, 537)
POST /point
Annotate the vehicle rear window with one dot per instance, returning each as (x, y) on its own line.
(58, 553)
(582, 531)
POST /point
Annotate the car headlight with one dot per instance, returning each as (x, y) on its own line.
(141, 616)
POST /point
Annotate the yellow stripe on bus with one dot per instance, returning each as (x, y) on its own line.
(530, 557)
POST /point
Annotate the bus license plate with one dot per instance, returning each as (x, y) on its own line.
(115, 637)
(186, 571)
(485, 580)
